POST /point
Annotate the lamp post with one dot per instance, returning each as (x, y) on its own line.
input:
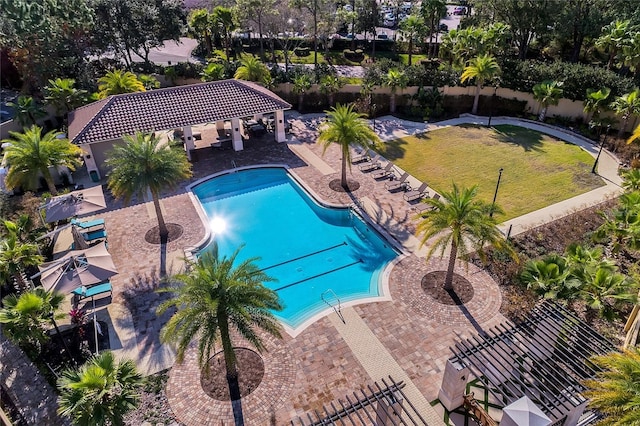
(495, 194)
(374, 107)
(595, 163)
(493, 99)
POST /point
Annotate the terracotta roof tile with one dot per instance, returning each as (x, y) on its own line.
(162, 109)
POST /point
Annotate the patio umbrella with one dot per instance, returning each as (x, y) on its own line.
(524, 412)
(76, 203)
(77, 268)
(79, 243)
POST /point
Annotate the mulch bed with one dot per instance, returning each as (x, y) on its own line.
(352, 185)
(250, 374)
(153, 235)
(433, 282)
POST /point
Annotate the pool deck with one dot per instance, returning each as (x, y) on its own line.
(408, 337)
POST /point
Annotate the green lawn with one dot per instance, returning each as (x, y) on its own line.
(539, 170)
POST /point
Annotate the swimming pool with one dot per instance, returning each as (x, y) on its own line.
(312, 251)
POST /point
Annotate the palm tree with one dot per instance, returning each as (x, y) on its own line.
(252, 70)
(626, 106)
(595, 102)
(615, 391)
(15, 255)
(224, 22)
(301, 84)
(547, 93)
(213, 296)
(63, 96)
(26, 316)
(200, 25)
(395, 79)
(631, 180)
(149, 82)
(330, 85)
(31, 155)
(213, 72)
(143, 163)
(346, 128)
(549, 277)
(117, 82)
(605, 291)
(27, 110)
(411, 28)
(613, 38)
(621, 228)
(101, 392)
(481, 68)
(432, 11)
(462, 222)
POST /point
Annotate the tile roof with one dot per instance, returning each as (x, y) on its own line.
(162, 109)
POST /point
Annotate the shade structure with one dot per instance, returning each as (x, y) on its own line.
(76, 203)
(78, 268)
(524, 412)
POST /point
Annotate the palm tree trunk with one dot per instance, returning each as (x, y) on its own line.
(623, 127)
(50, 184)
(300, 99)
(448, 281)
(392, 102)
(343, 176)
(474, 109)
(162, 227)
(543, 113)
(410, 49)
(227, 347)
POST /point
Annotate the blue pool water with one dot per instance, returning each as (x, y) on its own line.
(309, 249)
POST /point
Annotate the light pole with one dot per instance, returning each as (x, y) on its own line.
(373, 114)
(495, 194)
(595, 163)
(493, 99)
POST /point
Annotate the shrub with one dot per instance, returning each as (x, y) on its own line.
(523, 75)
(302, 51)
(188, 69)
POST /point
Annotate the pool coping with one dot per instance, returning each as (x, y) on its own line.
(383, 284)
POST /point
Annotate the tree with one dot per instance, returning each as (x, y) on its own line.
(252, 70)
(144, 164)
(460, 221)
(346, 128)
(214, 296)
(395, 79)
(549, 277)
(626, 106)
(631, 180)
(432, 11)
(135, 27)
(117, 82)
(149, 82)
(200, 26)
(367, 19)
(301, 84)
(101, 392)
(25, 318)
(45, 38)
(614, 37)
(621, 228)
(256, 11)
(547, 93)
(317, 9)
(15, 255)
(27, 110)
(615, 390)
(224, 24)
(31, 155)
(411, 29)
(63, 96)
(581, 20)
(330, 85)
(596, 102)
(482, 68)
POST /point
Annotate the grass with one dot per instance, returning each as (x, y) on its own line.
(539, 170)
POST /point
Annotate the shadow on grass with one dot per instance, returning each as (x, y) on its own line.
(529, 140)
(394, 150)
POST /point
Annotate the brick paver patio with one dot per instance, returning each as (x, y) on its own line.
(317, 366)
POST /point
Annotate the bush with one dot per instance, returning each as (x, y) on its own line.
(188, 69)
(302, 51)
(354, 56)
(523, 75)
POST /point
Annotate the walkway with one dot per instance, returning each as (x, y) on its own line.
(408, 336)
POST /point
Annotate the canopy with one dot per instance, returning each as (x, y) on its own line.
(78, 268)
(524, 412)
(76, 203)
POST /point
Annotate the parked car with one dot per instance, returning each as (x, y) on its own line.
(460, 10)
(443, 28)
(383, 36)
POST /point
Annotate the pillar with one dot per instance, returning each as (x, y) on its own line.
(454, 383)
(188, 141)
(236, 134)
(386, 412)
(279, 132)
(574, 415)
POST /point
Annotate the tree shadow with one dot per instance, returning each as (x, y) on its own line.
(466, 313)
(394, 150)
(528, 140)
(236, 400)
